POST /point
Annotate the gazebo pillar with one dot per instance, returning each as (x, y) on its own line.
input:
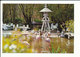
(45, 25)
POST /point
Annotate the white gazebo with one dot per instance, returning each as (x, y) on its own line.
(45, 19)
(45, 26)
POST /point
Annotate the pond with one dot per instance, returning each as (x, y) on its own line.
(56, 45)
(62, 44)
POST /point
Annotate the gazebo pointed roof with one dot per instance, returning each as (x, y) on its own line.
(45, 9)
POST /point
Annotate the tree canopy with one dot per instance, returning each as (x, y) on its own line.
(27, 13)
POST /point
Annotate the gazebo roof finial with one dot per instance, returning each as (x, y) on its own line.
(45, 5)
(45, 9)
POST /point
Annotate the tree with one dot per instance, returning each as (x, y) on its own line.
(9, 13)
(27, 11)
(61, 12)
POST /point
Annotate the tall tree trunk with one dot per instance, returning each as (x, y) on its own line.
(14, 12)
(11, 14)
(28, 22)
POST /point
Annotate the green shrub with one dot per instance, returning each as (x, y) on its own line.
(6, 21)
(70, 25)
(18, 20)
(38, 20)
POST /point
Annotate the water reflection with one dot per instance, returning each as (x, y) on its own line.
(42, 46)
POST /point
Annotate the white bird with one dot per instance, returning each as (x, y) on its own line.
(47, 39)
(38, 37)
(54, 26)
(25, 42)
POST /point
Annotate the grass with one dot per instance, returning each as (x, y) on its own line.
(58, 50)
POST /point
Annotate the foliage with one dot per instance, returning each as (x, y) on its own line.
(11, 44)
(28, 12)
(61, 12)
(6, 21)
(58, 50)
(18, 21)
(38, 20)
(70, 25)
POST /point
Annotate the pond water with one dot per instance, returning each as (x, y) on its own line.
(61, 43)
(56, 45)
